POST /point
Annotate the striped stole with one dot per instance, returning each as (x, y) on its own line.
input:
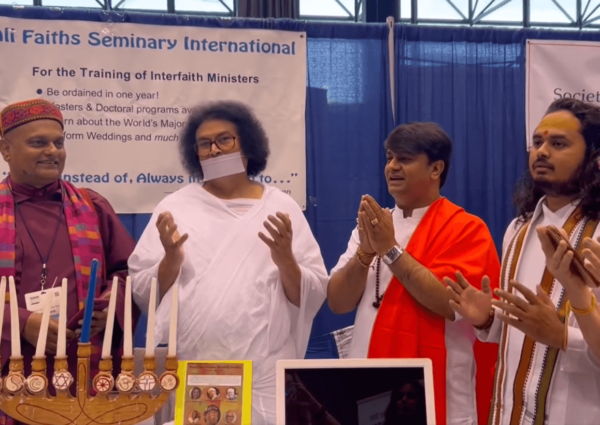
(578, 228)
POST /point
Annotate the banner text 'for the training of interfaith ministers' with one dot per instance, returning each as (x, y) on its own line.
(126, 91)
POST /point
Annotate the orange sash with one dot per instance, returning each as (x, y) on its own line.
(446, 240)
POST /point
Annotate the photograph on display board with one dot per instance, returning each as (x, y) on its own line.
(214, 392)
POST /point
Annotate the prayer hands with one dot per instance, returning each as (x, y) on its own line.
(31, 331)
(170, 239)
(377, 226)
(535, 316)
(361, 225)
(471, 303)
(281, 242)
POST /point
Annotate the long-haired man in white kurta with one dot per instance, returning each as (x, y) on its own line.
(250, 273)
(546, 372)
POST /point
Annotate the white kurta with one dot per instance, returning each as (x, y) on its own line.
(574, 394)
(232, 305)
(461, 408)
(404, 227)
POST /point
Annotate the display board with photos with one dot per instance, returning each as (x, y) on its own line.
(214, 392)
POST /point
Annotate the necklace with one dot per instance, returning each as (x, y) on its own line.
(43, 259)
(378, 298)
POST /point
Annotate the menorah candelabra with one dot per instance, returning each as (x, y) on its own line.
(127, 400)
(27, 399)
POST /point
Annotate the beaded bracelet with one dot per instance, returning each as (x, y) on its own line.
(362, 263)
(364, 254)
(360, 254)
(488, 323)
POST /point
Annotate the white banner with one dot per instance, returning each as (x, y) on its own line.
(557, 69)
(125, 91)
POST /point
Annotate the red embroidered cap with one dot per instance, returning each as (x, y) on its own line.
(21, 113)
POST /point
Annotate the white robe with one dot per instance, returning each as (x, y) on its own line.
(232, 305)
(574, 394)
(461, 407)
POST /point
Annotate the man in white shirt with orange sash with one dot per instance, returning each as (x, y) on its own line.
(402, 306)
(546, 374)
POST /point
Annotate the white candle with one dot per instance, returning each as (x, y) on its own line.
(3, 295)
(128, 339)
(61, 346)
(172, 350)
(40, 348)
(151, 319)
(110, 320)
(15, 334)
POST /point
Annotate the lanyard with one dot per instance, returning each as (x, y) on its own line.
(44, 260)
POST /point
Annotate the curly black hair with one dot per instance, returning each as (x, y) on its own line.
(253, 139)
(587, 179)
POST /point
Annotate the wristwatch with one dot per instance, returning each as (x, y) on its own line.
(393, 254)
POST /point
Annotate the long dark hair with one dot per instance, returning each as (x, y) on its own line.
(587, 179)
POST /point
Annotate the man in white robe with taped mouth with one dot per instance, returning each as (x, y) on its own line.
(546, 373)
(250, 273)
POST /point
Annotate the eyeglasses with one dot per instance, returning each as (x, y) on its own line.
(225, 143)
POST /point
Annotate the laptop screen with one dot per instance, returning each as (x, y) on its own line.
(355, 392)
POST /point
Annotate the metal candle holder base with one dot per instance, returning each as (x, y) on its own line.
(125, 401)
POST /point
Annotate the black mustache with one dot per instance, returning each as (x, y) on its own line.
(544, 163)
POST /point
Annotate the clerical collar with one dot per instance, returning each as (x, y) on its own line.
(23, 192)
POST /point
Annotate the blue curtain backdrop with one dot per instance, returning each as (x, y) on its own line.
(348, 115)
(472, 82)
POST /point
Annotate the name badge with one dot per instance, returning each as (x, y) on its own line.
(34, 301)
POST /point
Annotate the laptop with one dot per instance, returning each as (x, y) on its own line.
(355, 392)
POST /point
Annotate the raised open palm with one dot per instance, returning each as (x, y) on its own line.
(471, 303)
(170, 238)
(361, 224)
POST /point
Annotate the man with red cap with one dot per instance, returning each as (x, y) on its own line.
(50, 230)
